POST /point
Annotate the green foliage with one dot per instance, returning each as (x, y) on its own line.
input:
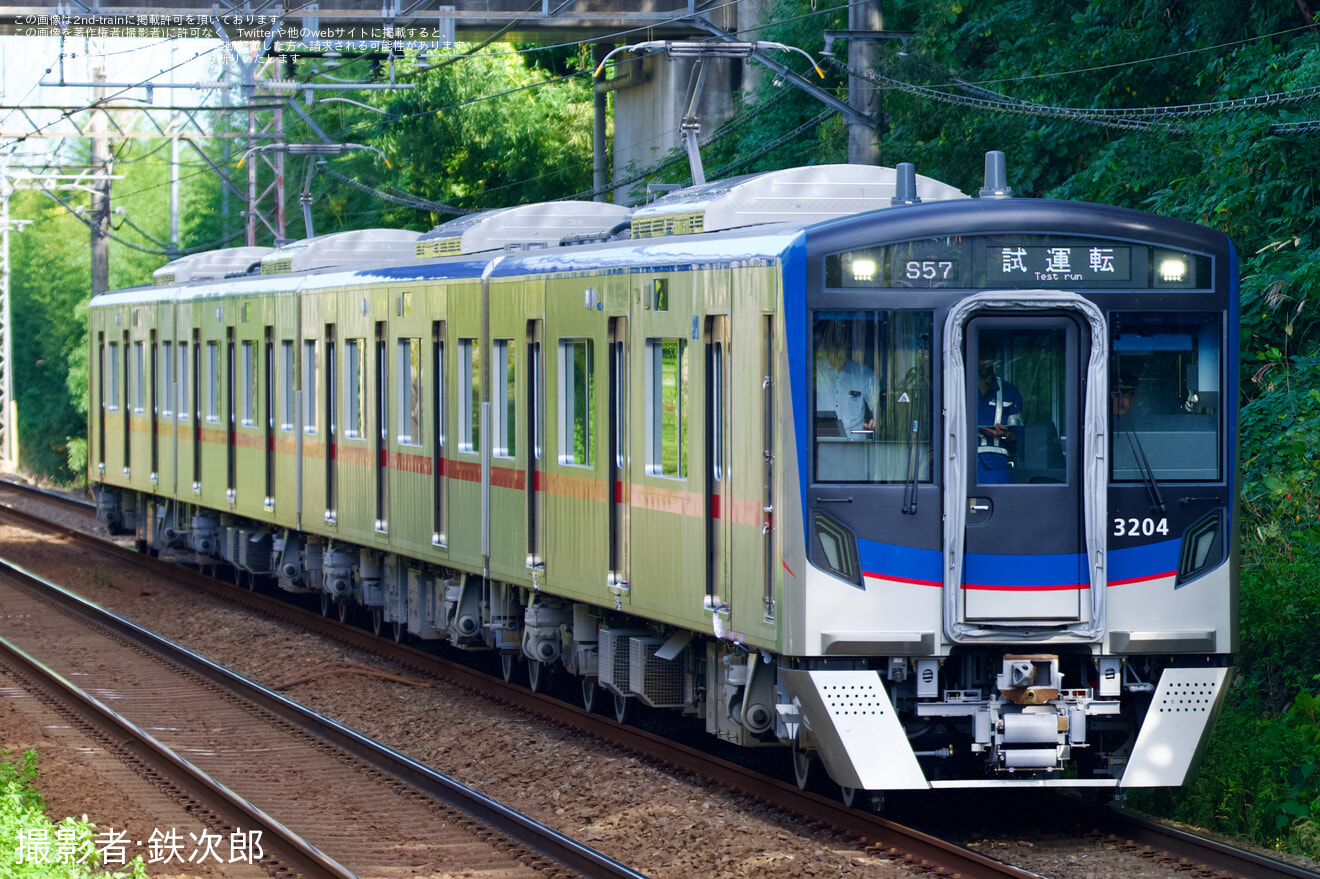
(23, 818)
(533, 144)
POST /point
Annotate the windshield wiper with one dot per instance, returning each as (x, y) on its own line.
(1147, 474)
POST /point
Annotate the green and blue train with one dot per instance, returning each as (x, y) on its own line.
(933, 490)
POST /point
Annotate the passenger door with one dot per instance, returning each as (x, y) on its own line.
(1025, 557)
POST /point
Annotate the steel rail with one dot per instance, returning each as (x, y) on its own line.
(523, 829)
(284, 844)
(877, 834)
(1184, 846)
(81, 504)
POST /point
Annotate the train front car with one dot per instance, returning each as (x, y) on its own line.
(1015, 430)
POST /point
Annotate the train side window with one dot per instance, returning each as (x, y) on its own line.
(410, 392)
(469, 412)
(165, 393)
(213, 381)
(249, 387)
(309, 386)
(503, 401)
(666, 407)
(287, 409)
(111, 370)
(139, 380)
(353, 379)
(577, 415)
(872, 390)
(181, 382)
(1165, 407)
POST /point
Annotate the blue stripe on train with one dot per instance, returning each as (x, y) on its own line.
(1064, 570)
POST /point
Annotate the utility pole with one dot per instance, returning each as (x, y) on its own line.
(100, 225)
(863, 141)
(600, 112)
(8, 408)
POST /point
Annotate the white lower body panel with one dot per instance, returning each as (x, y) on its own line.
(1173, 737)
(855, 728)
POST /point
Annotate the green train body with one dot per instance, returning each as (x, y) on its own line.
(530, 432)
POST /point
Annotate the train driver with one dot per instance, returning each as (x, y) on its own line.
(1122, 391)
(846, 391)
(998, 413)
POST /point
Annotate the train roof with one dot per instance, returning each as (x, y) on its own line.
(768, 212)
(805, 195)
(209, 265)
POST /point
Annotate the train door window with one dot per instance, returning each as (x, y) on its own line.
(196, 409)
(438, 389)
(872, 396)
(717, 405)
(128, 403)
(231, 406)
(535, 412)
(111, 370)
(353, 378)
(503, 401)
(536, 378)
(1022, 405)
(619, 373)
(165, 393)
(576, 402)
(248, 409)
(139, 380)
(666, 407)
(410, 391)
(288, 411)
(382, 428)
(331, 422)
(268, 415)
(469, 413)
(182, 382)
(1165, 412)
(213, 381)
(100, 389)
(309, 386)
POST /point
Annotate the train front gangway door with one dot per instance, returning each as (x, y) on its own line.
(1025, 552)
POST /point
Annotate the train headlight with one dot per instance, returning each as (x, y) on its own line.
(1173, 270)
(863, 269)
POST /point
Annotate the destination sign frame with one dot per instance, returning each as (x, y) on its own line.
(1018, 262)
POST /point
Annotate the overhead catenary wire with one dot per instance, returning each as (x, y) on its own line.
(1143, 118)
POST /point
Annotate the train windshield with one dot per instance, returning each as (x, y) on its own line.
(1164, 390)
(872, 396)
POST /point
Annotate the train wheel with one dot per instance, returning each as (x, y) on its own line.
(325, 603)
(589, 687)
(622, 708)
(345, 611)
(509, 666)
(801, 766)
(377, 620)
(398, 632)
(848, 795)
(538, 676)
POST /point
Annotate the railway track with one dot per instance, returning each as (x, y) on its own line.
(1174, 849)
(315, 781)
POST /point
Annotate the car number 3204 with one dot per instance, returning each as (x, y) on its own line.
(1140, 527)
